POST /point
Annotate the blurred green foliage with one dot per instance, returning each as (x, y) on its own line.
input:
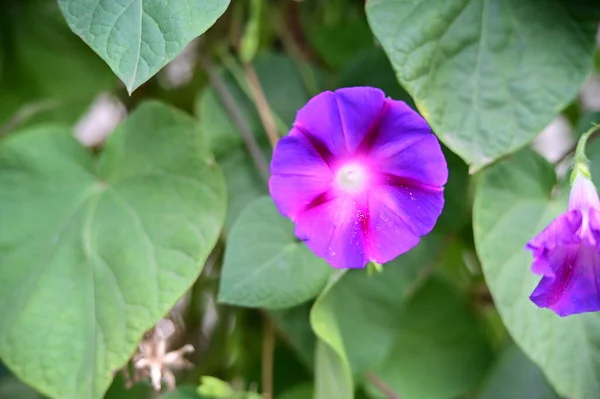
(166, 220)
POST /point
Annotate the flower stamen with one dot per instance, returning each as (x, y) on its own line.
(352, 178)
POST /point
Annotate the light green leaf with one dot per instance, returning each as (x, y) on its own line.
(515, 376)
(440, 349)
(514, 201)
(137, 38)
(265, 265)
(93, 251)
(215, 388)
(333, 377)
(486, 74)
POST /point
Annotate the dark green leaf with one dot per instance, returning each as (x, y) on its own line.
(440, 349)
(265, 265)
(488, 75)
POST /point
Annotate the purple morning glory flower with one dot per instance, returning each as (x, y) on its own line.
(567, 254)
(360, 175)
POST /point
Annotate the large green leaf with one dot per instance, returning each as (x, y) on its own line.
(440, 349)
(515, 376)
(94, 251)
(514, 201)
(265, 265)
(136, 38)
(333, 376)
(488, 75)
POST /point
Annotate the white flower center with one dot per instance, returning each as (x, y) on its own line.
(351, 177)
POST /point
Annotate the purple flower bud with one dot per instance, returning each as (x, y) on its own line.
(567, 255)
(360, 175)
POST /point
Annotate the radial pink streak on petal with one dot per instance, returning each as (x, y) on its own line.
(422, 162)
(399, 215)
(389, 235)
(400, 127)
(560, 233)
(319, 120)
(334, 231)
(575, 287)
(361, 113)
(569, 264)
(299, 174)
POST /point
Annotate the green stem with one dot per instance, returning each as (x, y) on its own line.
(580, 160)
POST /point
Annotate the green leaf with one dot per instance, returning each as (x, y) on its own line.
(93, 251)
(437, 338)
(137, 38)
(215, 388)
(514, 201)
(366, 308)
(333, 377)
(480, 71)
(515, 376)
(356, 318)
(265, 265)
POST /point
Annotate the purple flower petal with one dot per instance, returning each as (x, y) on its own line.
(567, 255)
(319, 120)
(419, 162)
(299, 174)
(400, 127)
(562, 232)
(390, 230)
(418, 206)
(361, 113)
(583, 194)
(334, 230)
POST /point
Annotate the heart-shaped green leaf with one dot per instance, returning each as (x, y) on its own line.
(265, 265)
(514, 201)
(136, 38)
(93, 251)
(488, 75)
